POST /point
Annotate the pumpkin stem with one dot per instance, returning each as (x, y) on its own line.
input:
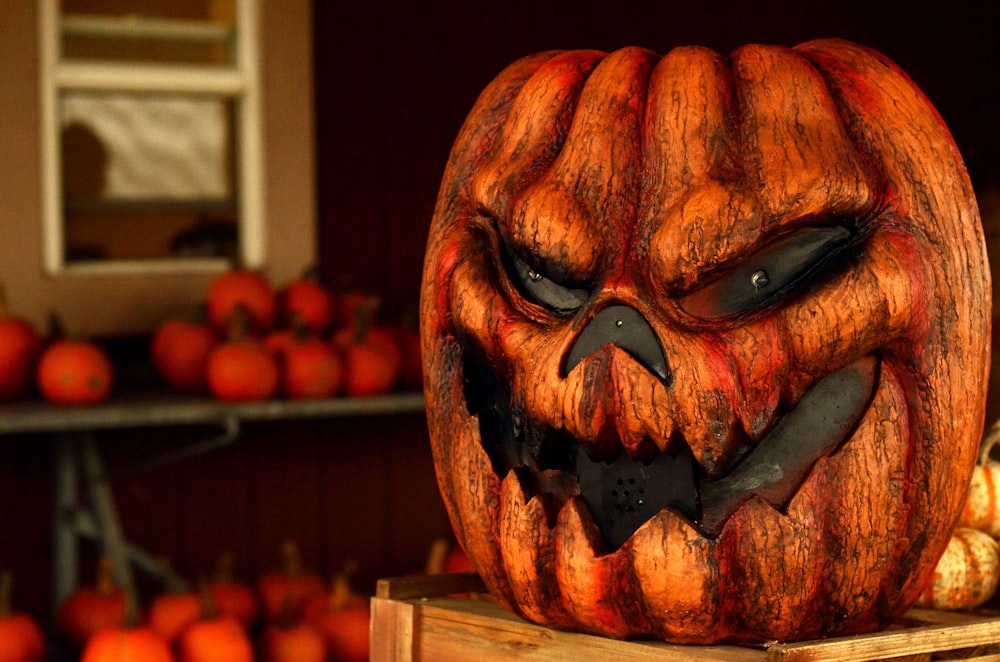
(311, 273)
(287, 617)
(225, 568)
(105, 584)
(291, 559)
(6, 593)
(990, 441)
(131, 617)
(239, 324)
(364, 318)
(300, 332)
(57, 329)
(435, 558)
(209, 607)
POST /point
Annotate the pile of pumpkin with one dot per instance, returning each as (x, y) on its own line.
(63, 369)
(256, 342)
(289, 614)
(252, 341)
(968, 573)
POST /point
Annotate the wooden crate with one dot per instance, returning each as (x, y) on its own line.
(419, 619)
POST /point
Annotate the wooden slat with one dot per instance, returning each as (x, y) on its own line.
(417, 618)
(426, 586)
(891, 643)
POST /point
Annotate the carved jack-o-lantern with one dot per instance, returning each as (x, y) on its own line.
(705, 340)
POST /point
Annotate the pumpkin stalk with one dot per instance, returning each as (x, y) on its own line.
(6, 593)
(340, 586)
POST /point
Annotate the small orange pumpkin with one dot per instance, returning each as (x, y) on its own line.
(20, 345)
(241, 288)
(175, 608)
(308, 300)
(310, 367)
(232, 596)
(343, 617)
(214, 637)
(128, 640)
(241, 369)
(75, 371)
(90, 609)
(291, 639)
(373, 360)
(290, 586)
(21, 638)
(179, 352)
(967, 573)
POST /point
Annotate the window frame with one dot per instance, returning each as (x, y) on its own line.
(240, 82)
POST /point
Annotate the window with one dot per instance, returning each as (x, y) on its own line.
(151, 135)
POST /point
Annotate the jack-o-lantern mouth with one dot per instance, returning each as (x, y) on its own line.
(623, 493)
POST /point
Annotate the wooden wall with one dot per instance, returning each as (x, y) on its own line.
(395, 80)
(393, 83)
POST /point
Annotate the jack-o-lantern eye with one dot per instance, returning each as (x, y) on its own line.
(770, 275)
(539, 288)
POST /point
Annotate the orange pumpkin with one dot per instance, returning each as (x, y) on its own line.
(120, 644)
(308, 300)
(21, 638)
(175, 608)
(92, 608)
(179, 352)
(20, 345)
(343, 618)
(213, 637)
(373, 359)
(232, 596)
(310, 367)
(289, 586)
(291, 639)
(241, 288)
(218, 639)
(967, 573)
(74, 371)
(241, 369)
(706, 340)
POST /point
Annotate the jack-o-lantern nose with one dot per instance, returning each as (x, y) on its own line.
(626, 328)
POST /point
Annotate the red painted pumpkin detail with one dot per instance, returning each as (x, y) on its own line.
(705, 340)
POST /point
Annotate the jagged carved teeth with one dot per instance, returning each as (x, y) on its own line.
(622, 493)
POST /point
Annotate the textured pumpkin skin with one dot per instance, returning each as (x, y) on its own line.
(644, 180)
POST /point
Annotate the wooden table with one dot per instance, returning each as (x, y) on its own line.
(76, 458)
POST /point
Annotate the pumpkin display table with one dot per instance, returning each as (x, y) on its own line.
(420, 618)
(77, 458)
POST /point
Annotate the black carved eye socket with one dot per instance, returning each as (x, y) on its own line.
(536, 287)
(772, 273)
